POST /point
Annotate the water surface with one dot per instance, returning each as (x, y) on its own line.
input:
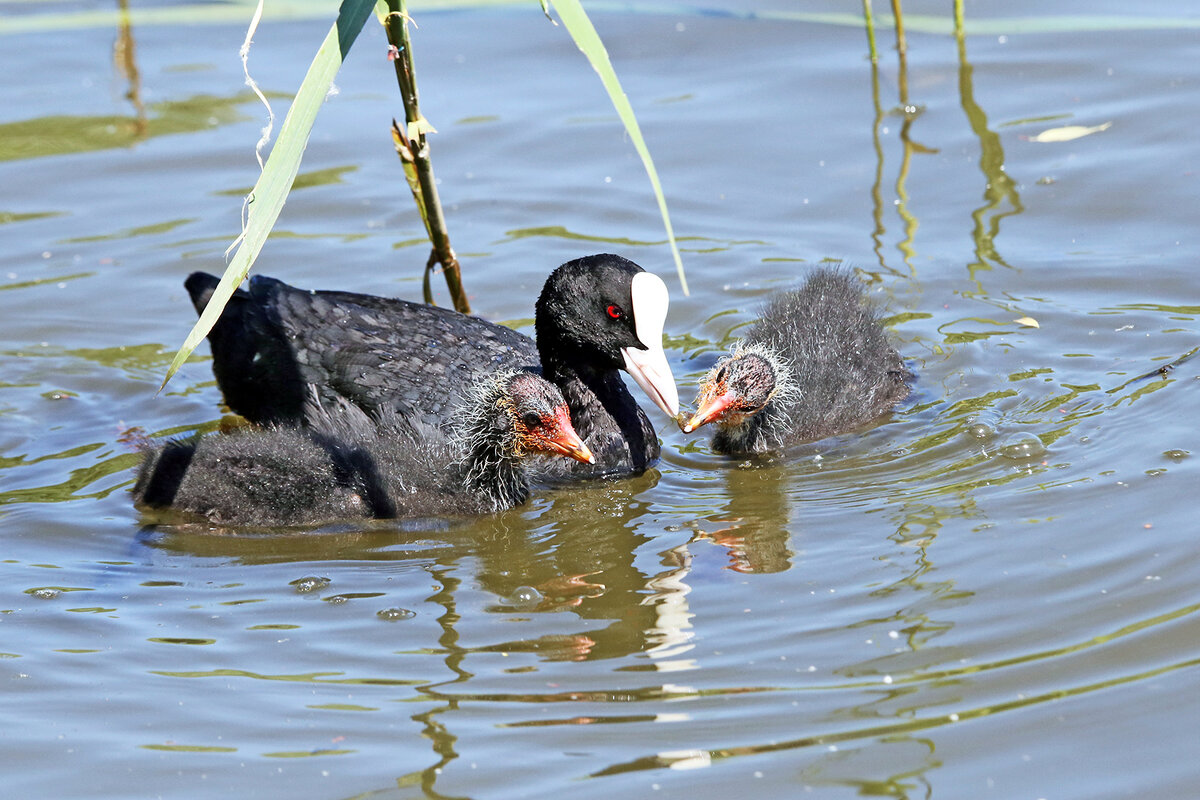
(991, 593)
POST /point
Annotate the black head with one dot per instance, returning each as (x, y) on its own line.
(738, 387)
(604, 312)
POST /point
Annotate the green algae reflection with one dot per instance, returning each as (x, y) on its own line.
(66, 134)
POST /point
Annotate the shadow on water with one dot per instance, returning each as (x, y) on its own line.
(756, 529)
(576, 554)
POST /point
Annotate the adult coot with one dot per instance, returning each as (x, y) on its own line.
(345, 465)
(275, 345)
(817, 362)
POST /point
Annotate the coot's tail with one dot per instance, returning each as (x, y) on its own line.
(254, 366)
(200, 286)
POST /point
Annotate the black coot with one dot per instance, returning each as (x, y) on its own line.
(816, 363)
(275, 345)
(345, 465)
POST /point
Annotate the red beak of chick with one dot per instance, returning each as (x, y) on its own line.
(557, 435)
(712, 405)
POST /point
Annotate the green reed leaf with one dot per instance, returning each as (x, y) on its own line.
(576, 21)
(275, 182)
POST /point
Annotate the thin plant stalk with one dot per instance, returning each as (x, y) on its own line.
(870, 31)
(901, 42)
(413, 147)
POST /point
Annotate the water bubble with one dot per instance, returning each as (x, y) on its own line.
(525, 596)
(1176, 455)
(1021, 446)
(45, 593)
(395, 614)
(979, 430)
(309, 583)
(982, 426)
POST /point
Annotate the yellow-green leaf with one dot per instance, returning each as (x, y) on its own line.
(418, 127)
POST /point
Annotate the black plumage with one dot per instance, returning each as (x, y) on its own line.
(346, 465)
(275, 346)
(816, 363)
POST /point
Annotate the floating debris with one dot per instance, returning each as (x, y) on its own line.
(1068, 133)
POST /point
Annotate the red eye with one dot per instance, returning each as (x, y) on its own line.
(615, 311)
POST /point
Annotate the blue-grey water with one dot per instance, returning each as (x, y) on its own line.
(991, 593)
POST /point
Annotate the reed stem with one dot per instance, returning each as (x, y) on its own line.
(901, 42)
(413, 148)
(870, 31)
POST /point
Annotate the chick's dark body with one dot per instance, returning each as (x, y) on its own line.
(842, 362)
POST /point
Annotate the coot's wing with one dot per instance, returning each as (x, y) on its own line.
(381, 353)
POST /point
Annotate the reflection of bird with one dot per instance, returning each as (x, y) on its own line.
(347, 465)
(816, 363)
(275, 344)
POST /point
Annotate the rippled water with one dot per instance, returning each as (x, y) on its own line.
(992, 593)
